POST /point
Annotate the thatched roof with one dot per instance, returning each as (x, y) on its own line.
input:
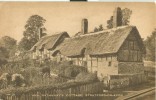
(98, 43)
(48, 42)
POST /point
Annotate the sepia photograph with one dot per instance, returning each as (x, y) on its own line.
(77, 51)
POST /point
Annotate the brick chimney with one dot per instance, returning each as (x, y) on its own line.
(117, 17)
(84, 26)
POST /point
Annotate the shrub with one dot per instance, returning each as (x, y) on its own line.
(18, 80)
(74, 70)
(86, 77)
(29, 74)
(71, 72)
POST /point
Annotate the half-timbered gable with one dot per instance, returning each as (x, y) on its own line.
(132, 48)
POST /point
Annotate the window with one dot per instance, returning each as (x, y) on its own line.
(131, 45)
(109, 63)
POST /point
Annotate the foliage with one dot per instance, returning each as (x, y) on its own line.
(7, 42)
(7, 47)
(31, 74)
(126, 14)
(95, 29)
(18, 80)
(150, 46)
(86, 77)
(110, 23)
(73, 70)
(66, 69)
(100, 28)
(3, 56)
(31, 33)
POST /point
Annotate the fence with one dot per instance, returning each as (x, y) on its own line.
(66, 91)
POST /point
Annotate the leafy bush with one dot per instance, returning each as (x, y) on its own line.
(29, 74)
(74, 70)
(18, 80)
(3, 61)
(86, 77)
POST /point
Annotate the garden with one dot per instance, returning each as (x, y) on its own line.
(30, 73)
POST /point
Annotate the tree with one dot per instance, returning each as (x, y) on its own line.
(100, 27)
(31, 33)
(95, 29)
(8, 46)
(150, 46)
(126, 14)
(110, 23)
(7, 42)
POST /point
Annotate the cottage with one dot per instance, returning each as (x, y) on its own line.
(45, 46)
(109, 52)
(115, 51)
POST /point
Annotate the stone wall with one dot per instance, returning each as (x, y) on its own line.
(121, 81)
(130, 67)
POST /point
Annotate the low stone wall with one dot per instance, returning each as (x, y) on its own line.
(130, 67)
(121, 81)
(150, 72)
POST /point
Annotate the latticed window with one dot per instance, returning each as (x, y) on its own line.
(131, 45)
(109, 63)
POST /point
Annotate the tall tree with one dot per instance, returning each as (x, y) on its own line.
(150, 46)
(126, 14)
(31, 33)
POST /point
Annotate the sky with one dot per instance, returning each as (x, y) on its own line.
(67, 16)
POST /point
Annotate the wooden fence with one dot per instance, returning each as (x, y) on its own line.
(70, 92)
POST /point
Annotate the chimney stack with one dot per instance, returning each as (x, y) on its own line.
(117, 17)
(40, 33)
(84, 26)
